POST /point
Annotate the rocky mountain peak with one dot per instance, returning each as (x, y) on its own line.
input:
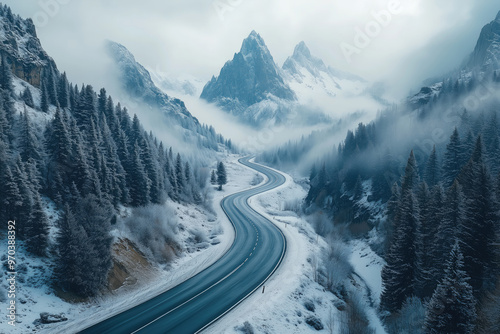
(249, 78)
(486, 54)
(254, 43)
(301, 50)
(21, 47)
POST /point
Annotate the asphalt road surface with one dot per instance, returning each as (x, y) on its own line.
(190, 307)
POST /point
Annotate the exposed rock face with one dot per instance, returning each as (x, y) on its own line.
(483, 61)
(250, 79)
(129, 264)
(21, 47)
(486, 55)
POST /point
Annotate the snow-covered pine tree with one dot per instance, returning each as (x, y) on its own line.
(94, 216)
(44, 95)
(73, 250)
(392, 209)
(63, 91)
(426, 231)
(479, 231)
(452, 308)
(50, 77)
(28, 97)
(411, 178)
(37, 232)
(10, 197)
(149, 159)
(85, 110)
(221, 175)
(30, 147)
(23, 213)
(452, 159)
(5, 132)
(187, 172)
(179, 173)
(138, 180)
(431, 174)
(398, 275)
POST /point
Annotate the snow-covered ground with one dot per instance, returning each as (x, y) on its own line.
(35, 295)
(292, 301)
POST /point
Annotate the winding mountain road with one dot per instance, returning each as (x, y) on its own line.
(257, 251)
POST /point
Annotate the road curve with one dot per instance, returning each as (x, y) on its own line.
(257, 251)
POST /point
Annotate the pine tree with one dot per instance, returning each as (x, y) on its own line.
(63, 91)
(398, 275)
(151, 167)
(50, 80)
(410, 179)
(392, 213)
(10, 197)
(25, 207)
(453, 218)
(139, 182)
(30, 147)
(102, 101)
(452, 159)
(221, 175)
(44, 103)
(111, 117)
(432, 169)
(426, 231)
(179, 173)
(478, 232)
(452, 306)
(73, 251)
(136, 131)
(6, 76)
(358, 189)
(37, 233)
(86, 109)
(28, 97)
(5, 132)
(187, 172)
(94, 216)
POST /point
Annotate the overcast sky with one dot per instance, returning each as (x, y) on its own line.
(423, 38)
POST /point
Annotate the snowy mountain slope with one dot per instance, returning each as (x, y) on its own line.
(184, 85)
(321, 86)
(20, 45)
(137, 82)
(163, 112)
(249, 79)
(481, 64)
(486, 54)
(306, 73)
(303, 91)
